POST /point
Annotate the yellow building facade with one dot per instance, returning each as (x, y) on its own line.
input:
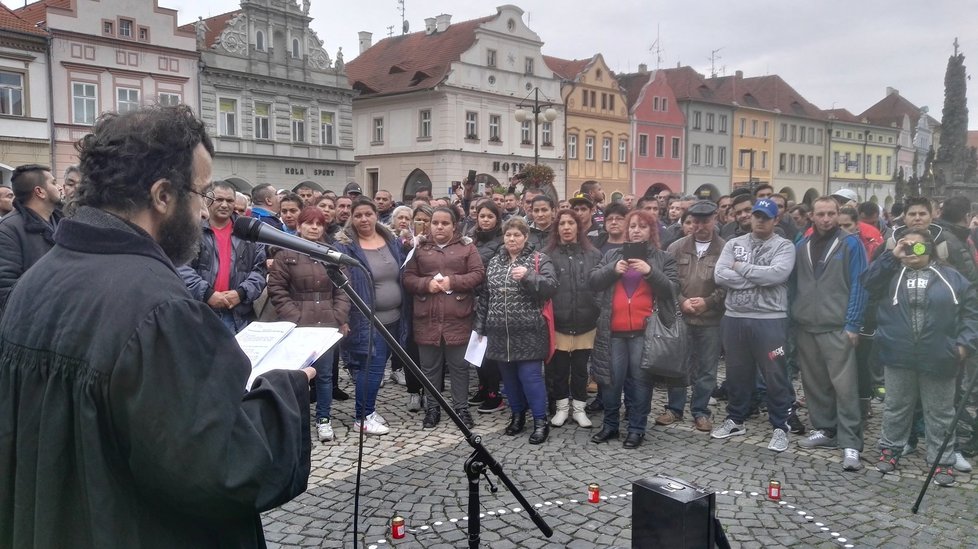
(598, 127)
(753, 139)
(862, 157)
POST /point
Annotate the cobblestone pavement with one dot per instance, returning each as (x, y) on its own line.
(418, 475)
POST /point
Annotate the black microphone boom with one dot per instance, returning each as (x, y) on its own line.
(253, 230)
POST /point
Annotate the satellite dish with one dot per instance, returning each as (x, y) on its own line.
(405, 27)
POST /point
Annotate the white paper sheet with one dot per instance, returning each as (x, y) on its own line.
(300, 348)
(476, 350)
(258, 338)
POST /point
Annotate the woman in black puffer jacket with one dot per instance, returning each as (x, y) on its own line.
(488, 238)
(575, 317)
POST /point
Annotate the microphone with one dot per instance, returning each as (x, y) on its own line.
(253, 230)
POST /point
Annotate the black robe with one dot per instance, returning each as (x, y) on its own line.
(123, 416)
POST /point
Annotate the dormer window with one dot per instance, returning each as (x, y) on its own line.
(260, 41)
(295, 49)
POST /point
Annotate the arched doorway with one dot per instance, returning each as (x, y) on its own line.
(788, 193)
(415, 181)
(810, 196)
(874, 199)
(241, 185)
(707, 191)
(657, 188)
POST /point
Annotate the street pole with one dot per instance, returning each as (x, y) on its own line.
(536, 126)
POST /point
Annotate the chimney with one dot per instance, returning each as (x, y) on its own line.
(643, 68)
(366, 40)
(892, 91)
(739, 75)
(429, 25)
(442, 22)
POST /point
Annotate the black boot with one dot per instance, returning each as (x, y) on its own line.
(516, 424)
(541, 429)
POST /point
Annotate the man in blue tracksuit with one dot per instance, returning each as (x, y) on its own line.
(827, 310)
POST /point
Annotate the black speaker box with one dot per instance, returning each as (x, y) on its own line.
(670, 513)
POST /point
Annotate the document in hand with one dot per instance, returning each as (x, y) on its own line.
(476, 349)
(283, 346)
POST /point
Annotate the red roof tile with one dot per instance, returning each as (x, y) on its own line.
(687, 84)
(567, 69)
(843, 115)
(37, 12)
(215, 26)
(12, 22)
(632, 84)
(890, 110)
(411, 62)
(766, 93)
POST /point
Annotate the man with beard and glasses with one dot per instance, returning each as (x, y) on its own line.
(26, 234)
(122, 398)
(228, 273)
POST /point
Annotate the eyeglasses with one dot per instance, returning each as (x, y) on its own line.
(208, 200)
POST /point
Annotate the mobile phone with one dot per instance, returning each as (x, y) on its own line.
(635, 250)
(917, 248)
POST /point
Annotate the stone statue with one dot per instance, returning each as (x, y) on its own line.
(201, 27)
(339, 60)
(305, 7)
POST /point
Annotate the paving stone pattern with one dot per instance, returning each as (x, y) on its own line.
(418, 475)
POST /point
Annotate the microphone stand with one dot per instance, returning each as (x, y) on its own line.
(480, 460)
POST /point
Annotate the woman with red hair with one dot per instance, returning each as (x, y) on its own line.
(631, 284)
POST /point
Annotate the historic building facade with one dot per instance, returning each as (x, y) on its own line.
(657, 129)
(862, 157)
(435, 104)
(894, 110)
(110, 56)
(279, 107)
(597, 121)
(24, 108)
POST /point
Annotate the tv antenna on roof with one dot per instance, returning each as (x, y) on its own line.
(656, 48)
(405, 26)
(713, 62)
(390, 30)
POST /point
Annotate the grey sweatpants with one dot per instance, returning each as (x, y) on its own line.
(432, 357)
(903, 386)
(831, 380)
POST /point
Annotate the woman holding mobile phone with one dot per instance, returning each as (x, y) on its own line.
(630, 283)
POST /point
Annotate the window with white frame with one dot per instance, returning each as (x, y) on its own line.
(378, 130)
(471, 125)
(494, 121)
(643, 145)
(743, 126)
(228, 116)
(723, 124)
(589, 147)
(721, 157)
(108, 27)
(763, 160)
(784, 131)
(696, 155)
(528, 66)
(11, 93)
(84, 102)
(572, 146)
(675, 147)
(491, 58)
(525, 130)
(263, 122)
(424, 123)
(709, 155)
(709, 121)
(299, 124)
(753, 127)
(665, 104)
(546, 134)
(660, 146)
(606, 149)
(260, 41)
(811, 135)
(125, 28)
(767, 128)
(622, 151)
(655, 103)
(126, 99)
(327, 128)
(697, 120)
(170, 99)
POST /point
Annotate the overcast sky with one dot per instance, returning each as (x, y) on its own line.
(836, 53)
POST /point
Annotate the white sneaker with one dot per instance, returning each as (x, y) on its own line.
(850, 460)
(371, 426)
(325, 429)
(779, 441)
(397, 376)
(729, 428)
(961, 464)
(378, 418)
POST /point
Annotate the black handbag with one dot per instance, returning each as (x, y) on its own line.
(665, 351)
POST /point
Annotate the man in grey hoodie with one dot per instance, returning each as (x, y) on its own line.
(754, 268)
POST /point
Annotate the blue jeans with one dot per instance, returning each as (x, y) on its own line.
(324, 384)
(524, 387)
(368, 385)
(704, 354)
(627, 376)
(754, 345)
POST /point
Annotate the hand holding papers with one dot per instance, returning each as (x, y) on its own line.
(283, 346)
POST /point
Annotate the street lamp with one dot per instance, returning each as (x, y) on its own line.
(540, 112)
(750, 169)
